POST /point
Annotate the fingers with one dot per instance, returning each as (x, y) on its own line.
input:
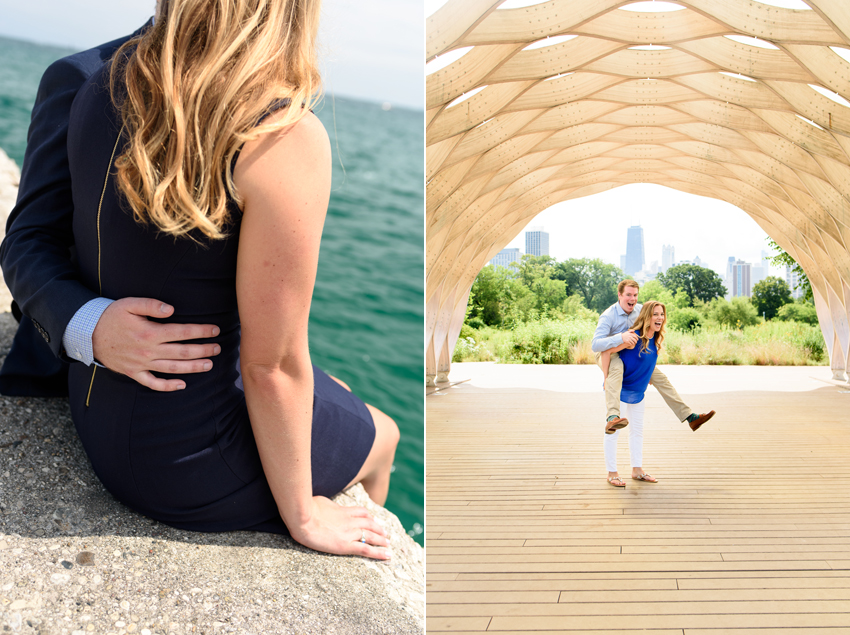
(186, 352)
(147, 306)
(372, 545)
(365, 520)
(177, 367)
(156, 383)
(367, 551)
(376, 540)
(369, 539)
(358, 512)
(183, 332)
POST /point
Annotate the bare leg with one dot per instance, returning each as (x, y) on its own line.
(375, 473)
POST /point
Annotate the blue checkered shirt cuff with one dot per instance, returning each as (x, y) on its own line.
(78, 333)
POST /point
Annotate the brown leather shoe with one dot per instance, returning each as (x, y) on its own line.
(615, 424)
(696, 423)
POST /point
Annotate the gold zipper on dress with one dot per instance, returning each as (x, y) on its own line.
(99, 281)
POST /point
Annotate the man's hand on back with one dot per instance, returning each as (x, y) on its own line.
(127, 342)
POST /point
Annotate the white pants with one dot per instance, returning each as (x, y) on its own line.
(634, 413)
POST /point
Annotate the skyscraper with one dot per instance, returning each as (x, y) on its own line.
(634, 250)
(738, 281)
(763, 270)
(536, 241)
(505, 257)
(668, 256)
(793, 279)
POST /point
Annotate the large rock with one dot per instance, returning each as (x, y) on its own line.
(75, 561)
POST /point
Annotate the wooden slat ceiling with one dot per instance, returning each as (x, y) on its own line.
(699, 111)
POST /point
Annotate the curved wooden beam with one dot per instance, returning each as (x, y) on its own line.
(698, 112)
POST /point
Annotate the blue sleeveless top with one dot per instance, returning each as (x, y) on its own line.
(638, 367)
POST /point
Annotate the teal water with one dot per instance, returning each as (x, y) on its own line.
(366, 321)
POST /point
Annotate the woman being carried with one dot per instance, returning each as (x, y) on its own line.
(217, 184)
(638, 365)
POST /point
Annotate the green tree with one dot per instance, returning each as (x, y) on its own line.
(698, 282)
(654, 290)
(550, 294)
(533, 268)
(685, 319)
(798, 312)
(493, 289)
(574, 307)
(737, 313)
(593, 280)
(783, 258)
(769, 295)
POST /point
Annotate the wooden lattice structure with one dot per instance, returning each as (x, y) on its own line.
(677, 98)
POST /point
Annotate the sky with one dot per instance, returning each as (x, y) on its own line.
(697, 226)
(369, 49)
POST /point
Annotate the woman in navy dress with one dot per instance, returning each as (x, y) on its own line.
(638, 365)
(194, 182)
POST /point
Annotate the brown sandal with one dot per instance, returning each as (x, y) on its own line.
(645, 477)
(616, 481)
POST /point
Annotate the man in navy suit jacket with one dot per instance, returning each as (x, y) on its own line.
(37, 258)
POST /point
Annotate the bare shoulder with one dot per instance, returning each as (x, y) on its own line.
(289, 154)
(307, 135)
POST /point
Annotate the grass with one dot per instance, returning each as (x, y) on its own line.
(568, 342)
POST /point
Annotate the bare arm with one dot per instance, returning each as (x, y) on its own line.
(629, 341)
(284, 179)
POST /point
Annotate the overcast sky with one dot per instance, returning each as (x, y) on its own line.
(370, 49)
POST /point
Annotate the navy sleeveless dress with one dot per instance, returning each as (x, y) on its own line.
(186, 458)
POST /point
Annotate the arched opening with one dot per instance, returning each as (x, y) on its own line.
(743, 102)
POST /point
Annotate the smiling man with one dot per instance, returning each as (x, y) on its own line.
(612, 331)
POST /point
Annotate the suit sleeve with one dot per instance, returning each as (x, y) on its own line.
(36, 254)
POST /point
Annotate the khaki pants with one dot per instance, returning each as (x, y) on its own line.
(615, 384)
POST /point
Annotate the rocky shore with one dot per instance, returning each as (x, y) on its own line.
(74, 561)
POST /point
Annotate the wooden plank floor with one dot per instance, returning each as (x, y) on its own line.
(747, 530)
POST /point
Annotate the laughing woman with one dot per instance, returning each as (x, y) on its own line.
(638, 364)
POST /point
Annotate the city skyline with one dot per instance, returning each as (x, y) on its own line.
(596, 227)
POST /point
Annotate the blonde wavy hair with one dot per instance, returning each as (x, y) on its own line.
(191, 90)
(643, 320)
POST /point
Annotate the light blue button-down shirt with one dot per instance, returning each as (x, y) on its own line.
(612, 323)
(78, 333)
